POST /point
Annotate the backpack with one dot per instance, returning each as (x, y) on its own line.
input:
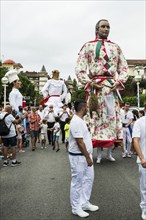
(4, 129)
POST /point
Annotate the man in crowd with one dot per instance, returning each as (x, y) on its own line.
(139, 141)
(34, 120)
(81, 162)
(10, 140)
(127, 118)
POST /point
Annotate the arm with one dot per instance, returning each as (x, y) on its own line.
(45, 89)
(64, 89)
(82, 148)
(81, 67)
(139, 152)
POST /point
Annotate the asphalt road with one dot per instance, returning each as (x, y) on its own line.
(39, 188)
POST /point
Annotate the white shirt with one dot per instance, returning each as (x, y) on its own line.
(50, 116)
(78, 129)
(64, 116)
(41, 114)
(15, 99)
(44, 128)
(8, 120)
(126, 116)
(139, 130)
(54, 87)
(56, 127)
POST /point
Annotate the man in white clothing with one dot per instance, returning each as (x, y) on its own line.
(127, 117)
(139, 141)
(15, 97)
(80, 157)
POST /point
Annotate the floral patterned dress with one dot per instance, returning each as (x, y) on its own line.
(105, 123)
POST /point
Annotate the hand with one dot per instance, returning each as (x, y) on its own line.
(143, 163)
(114, 86)
(94, 85)
(89, 162)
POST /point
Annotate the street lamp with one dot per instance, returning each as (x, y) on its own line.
(4, 81)
(138, 79)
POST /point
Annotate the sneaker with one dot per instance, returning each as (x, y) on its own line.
(81, 213)
(57, 150)
(129, 155)
(124, 155)
(143, 215)
(5, 164)
(21, 151)
(14, 164)
(91, 208)
(98, 160)
(111, 159)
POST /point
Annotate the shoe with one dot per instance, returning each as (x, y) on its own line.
(124, 155)
(111, 159)
(33, 149)
(143, 215)
(81, 213)
(14, 164)
(45, 147)
(5, 164)
(21, 151)
(41, 147)
(90, 207)
(57, 150)
(98, 160)
(129, 155)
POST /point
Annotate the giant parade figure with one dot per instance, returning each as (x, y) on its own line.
(102, 69)
(54, 92)
(15, 97)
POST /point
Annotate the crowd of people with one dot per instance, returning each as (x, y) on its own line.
(98, 122)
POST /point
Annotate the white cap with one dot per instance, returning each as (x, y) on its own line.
(12, 76)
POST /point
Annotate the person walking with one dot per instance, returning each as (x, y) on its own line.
(44, 130)
(66, 129)
(139, 142)
(102, 69)
(34, 120)
(81, 162)
(50, 117)
(63, 115)
(9, 140)
(127, 119)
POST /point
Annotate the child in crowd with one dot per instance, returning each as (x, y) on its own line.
(66, 129)
(44, 129)
(20, 131)
(56, 133)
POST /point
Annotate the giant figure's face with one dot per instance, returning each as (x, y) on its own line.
(103, 30)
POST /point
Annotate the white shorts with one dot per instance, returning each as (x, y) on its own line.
(43, 136)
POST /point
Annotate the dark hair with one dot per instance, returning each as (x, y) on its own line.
(142, 112)
(57, 119)
(127, 103)
(67, 120)
(98, 23)
(20, 108)
(78, 104)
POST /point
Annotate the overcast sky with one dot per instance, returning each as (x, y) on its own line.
(51, 33)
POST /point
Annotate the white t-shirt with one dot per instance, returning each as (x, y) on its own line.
(9, 122)
(44, 128)
(64, 116)
(139, 130)
(126, 116)
(56, 127)
(78, 129)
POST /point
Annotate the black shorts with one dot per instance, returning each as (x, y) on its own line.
(9, 142)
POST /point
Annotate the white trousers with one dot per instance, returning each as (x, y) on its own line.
(127, 139)
(142, 175)
(82, 177)
(99, 152)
